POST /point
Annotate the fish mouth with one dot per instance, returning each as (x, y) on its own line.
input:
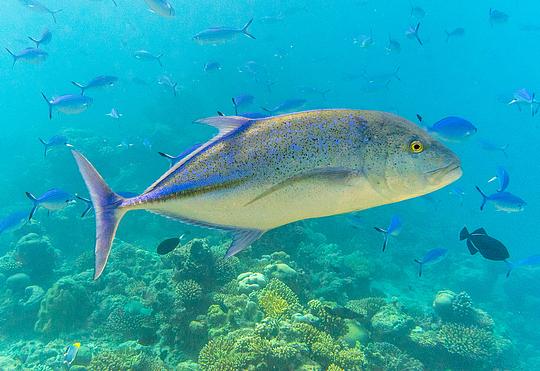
(445, 174)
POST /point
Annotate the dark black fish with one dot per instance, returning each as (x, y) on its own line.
(168, 245)
(489, 247)
(342, 312)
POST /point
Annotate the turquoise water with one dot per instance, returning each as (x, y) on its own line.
(317, 294)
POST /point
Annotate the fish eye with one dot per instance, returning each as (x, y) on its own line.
(416, 146)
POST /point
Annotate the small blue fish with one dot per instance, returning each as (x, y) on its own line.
(242, 101)
(13, 221)
(71, 353)
(215, 35)
(503, 201)
(174, 159)
(96, 83)
(529, 261)
(30, 55)
(44, 39)
(497, 17)
(456, 32)
(503, 178)
(287, 105)
(412, 33)
(54, 141)
(493, 147)
(452, 128)
(53, 199)
(212, 66)
(70, 104)
(431, 257)
(394, 228)
(144, 55)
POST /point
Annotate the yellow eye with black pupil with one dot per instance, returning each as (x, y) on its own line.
(416, 146)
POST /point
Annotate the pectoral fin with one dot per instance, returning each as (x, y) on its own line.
(330, 175)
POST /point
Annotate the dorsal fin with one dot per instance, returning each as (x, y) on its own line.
(225, 125)
(480, 231)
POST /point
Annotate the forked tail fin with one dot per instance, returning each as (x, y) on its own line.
(107, 207)
(245, 30)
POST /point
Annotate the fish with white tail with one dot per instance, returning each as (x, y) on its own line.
(257, 175)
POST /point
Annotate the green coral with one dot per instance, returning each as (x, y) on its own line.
(277, 299)
(470, 343)
(220, 355)
(189, 292)
(9, 265)
(388, 357)
(391, 322)
(125, 360)
(366, 307)
(332, 324)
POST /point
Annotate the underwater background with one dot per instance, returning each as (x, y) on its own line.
(314, 295)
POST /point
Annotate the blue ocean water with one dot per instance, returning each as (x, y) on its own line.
(317, 294)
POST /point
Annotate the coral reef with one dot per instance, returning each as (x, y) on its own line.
(66, 306)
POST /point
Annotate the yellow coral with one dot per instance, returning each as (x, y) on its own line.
(333, 367)
(272, 304)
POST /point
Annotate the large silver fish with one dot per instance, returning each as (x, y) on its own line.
(256, 175)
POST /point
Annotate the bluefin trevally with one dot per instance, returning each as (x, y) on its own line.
(287, 105)
(503, 178)
(13, 220)
(528, 261)
(456, 32)
(53, 199)
(212, 66)
(431, 257)
(44, 39)
(70, 104)
(417, 11)
(215, 35)
(169, 83)
(525, 97)
(257, 175)
(452, 128)
(30, 55)
(114, 114)
(54, 141)
(364, 41)
(145, 55)
(174, 159)
(393, 229)
(161, 7)
(393, 46)
(38, 7)
(412, 33)
(242, 100)
(489, 247)
(96, 83)
(503, 201)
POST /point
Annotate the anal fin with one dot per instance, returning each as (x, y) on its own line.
(242, 238)
(472, 249)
